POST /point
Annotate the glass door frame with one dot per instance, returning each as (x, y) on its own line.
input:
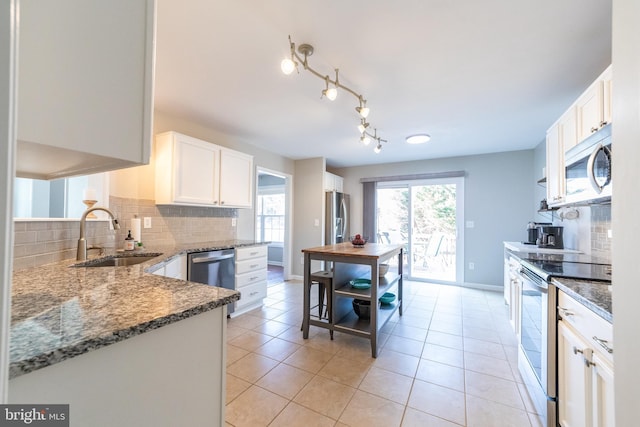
(407, 184)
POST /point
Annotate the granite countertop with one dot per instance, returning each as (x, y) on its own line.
(522, 247)
(596, 296)
(58, 312)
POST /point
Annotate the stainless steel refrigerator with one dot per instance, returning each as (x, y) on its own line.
(336, 218)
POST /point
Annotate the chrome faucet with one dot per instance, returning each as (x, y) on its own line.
(82, 241)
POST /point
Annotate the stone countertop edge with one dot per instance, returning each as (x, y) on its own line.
(594, 295)
(48, 300)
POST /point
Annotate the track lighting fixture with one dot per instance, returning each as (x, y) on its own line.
(330, 93)
(362, 108)
(362, 127)
(301, 56)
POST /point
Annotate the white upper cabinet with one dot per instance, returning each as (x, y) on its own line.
(555, 167)
(190, 171)
(236, 178)
(85, 86)
(594, 106)
(333, 182)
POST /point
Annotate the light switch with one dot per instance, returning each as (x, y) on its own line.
(147, 222)
(316, 222)
(470, 224)
(233, 222)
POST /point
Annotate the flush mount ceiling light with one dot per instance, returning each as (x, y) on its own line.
(420, 138)
(301, 56)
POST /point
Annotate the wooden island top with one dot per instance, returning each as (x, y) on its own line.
(370, 250)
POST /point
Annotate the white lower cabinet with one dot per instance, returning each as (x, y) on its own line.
(251, 278)
(585, 366)
(175, 269)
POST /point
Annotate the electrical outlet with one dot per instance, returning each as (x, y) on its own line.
(471, 224)
(472, 266)
(609, 233)
(233, 222)
(147, 222)
(302, 260)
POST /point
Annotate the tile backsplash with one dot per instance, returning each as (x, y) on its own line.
(172, 225)
(600, 226)
(41, 242)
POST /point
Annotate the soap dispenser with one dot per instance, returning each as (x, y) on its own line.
(129, 243)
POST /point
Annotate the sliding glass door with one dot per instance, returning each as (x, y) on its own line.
(426, 217)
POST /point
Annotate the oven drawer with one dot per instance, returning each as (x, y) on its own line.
(251, 252)
(598, 331)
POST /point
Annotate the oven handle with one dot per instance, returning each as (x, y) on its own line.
(536, 280)
(211, 258)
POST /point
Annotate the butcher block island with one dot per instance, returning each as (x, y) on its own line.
(355, 284)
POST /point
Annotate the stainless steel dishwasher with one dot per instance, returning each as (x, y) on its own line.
(214, 268)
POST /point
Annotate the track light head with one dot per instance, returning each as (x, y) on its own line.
(377, 148)
(365, 139)
(288, 65)
(363, 111)
(362, 127)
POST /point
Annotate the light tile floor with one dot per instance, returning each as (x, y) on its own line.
(450, 360)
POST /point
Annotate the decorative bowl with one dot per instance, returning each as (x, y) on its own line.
(358, 241)
(362, 308)
(360, 283)
(383, 269)
(387, 298)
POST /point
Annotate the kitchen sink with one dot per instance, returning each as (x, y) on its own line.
(117, 260)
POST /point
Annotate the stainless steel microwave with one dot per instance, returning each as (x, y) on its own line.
(588, 169)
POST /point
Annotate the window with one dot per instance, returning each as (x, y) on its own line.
(59, 198)
(270, 217)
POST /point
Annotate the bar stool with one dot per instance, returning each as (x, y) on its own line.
(323, 279)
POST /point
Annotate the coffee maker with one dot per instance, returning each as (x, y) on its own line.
(550, 236)
(533, 229)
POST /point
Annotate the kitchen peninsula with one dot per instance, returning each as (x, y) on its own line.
(150, 348)
(349, 263)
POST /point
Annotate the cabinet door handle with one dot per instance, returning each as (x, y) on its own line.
(253, 266)
(222, 202)
(586, 355)
(603, 344)
(603, 123)
(594, 129)
(565, 312)
(253, 293)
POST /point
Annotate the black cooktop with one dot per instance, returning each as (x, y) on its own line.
(568, 269)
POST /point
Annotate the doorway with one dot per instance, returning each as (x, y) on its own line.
(272, 221)
(426, 217)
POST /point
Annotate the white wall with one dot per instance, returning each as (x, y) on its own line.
(626, 207)
(498, 194)
(308, 196)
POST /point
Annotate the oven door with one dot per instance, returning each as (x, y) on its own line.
(538, 329)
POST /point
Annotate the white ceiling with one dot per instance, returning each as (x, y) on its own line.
(479, 76)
